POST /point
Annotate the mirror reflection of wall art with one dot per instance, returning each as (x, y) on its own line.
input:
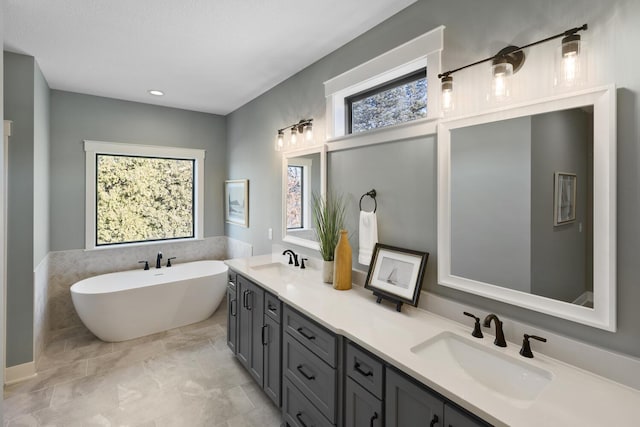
(236, 202)
(564, 198)
(396, 274)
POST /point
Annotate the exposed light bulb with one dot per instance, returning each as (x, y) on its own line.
(280, 141)
(570, 60)
(502, 70)
(447, 93)
(308, 132)
(294, 136)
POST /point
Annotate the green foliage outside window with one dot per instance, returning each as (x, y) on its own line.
(142, 198)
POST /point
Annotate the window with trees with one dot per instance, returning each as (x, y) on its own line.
(139, 194)
(398, 101)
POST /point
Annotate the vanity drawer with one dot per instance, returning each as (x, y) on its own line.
(311, 375)
(298, 411)
(365, 369)
(272, 306)
(316, 338)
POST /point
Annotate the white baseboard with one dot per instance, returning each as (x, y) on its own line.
(14, 374)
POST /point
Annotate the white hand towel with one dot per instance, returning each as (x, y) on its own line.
(368, 236)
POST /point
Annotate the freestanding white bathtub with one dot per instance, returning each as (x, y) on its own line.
(130, 304)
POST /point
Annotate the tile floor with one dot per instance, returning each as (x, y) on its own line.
(182, 377)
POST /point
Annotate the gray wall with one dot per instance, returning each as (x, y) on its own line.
(40, 168)
(76, 117)
(26, 96)
(491, 203)
(3, 239)
(560, 143)
(474, 30)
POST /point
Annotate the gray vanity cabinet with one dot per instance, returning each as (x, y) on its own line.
(272, 336)
(311, 370)
(250, 323)
(232, 313)
(408, 404)
(362, 409)
(258, 341)
(364, 389)
(455, 417)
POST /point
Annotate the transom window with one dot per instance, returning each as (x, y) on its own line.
(398, 101)
(139, 194)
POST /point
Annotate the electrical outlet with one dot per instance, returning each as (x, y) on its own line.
(270, 233)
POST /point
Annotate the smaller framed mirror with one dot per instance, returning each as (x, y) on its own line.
(303, 175)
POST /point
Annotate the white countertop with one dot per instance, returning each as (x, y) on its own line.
(574, 397)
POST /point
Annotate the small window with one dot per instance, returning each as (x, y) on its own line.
(298, 197)
(398, 101)
(141, 193)
(295, 205)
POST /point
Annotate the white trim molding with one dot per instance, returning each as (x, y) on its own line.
(423, 51)
(92, 148)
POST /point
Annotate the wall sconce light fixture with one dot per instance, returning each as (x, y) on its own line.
(304, 126)
(510, 59)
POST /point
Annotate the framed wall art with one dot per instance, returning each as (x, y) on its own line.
(564, 198)
(236, 202)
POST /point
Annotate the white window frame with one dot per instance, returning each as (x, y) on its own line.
(93, 148)
(423, 51)
(306, 165)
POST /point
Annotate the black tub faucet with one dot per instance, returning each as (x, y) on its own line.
(292, 257)
(158, 258)
(499, 341)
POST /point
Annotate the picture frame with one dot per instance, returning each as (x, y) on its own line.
(564, 198)
(396, 274)
(236, 202)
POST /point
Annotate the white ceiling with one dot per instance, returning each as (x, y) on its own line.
(206, 55)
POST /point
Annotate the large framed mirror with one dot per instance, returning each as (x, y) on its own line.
(527, 206)
(303, 175)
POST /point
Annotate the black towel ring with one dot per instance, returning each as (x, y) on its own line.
(371, 194)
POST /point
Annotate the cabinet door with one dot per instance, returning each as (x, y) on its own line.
(232, 317)
(250, 322)
(409, 405)
(255, 305)
(362, 409)
(453, 417)
(272, 361)
(244, 333)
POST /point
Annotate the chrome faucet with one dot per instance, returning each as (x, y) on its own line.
(292, 257)
(499, 341)
(158, 258)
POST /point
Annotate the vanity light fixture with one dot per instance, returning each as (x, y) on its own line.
(156, 92)
(304, 126)
(510, 59)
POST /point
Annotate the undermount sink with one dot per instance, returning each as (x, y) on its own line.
(468, 360)
(279, 269)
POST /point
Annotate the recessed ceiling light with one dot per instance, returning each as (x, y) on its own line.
(156, 92)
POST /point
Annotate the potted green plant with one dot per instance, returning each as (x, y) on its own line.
(328, 218)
